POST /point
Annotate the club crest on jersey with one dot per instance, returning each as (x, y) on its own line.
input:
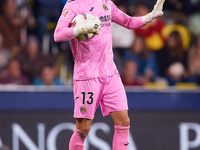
(64, 14)
(83, 109)
(105, 7)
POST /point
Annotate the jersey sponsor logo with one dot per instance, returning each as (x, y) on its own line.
(105, 20)
(65, 13)
(105, 7)
(83, 109)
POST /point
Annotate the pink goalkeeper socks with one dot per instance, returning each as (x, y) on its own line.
(120, 140)
(77, 140)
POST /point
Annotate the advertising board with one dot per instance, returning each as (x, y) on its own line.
(51, 130)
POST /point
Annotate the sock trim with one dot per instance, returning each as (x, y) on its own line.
(119, 127)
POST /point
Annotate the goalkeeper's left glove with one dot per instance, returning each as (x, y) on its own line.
(157, 12)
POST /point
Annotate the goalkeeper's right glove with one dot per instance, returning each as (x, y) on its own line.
(92, 25)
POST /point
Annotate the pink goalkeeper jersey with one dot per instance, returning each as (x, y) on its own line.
(93, 58)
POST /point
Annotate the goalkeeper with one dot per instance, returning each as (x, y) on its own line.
(96, 79)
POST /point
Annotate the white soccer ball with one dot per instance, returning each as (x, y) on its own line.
(79, 20)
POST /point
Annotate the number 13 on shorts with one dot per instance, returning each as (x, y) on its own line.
(85, 104)
(90, 101)
(86, 98)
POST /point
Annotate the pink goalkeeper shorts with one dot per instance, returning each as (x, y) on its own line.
(107, 91)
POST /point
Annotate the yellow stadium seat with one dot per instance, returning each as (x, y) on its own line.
(155, 86)
(186, 86)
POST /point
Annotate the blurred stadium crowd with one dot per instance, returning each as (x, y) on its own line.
(165, 51)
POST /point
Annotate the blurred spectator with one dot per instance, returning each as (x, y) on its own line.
(32, 60)
(122, 39)
(15, 50)
(145, 59)
(182, 6)
(47, 77)
(182, 30)
(28, 22)
(194, 59)
(172, 60)
(194, 22)
(46, 11)
(152, 32)
(177, 11)
(4, 56)
(10, 24)
(129, 75)
(14, 75)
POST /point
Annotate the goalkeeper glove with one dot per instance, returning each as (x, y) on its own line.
(157, 12)
(91, 25)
